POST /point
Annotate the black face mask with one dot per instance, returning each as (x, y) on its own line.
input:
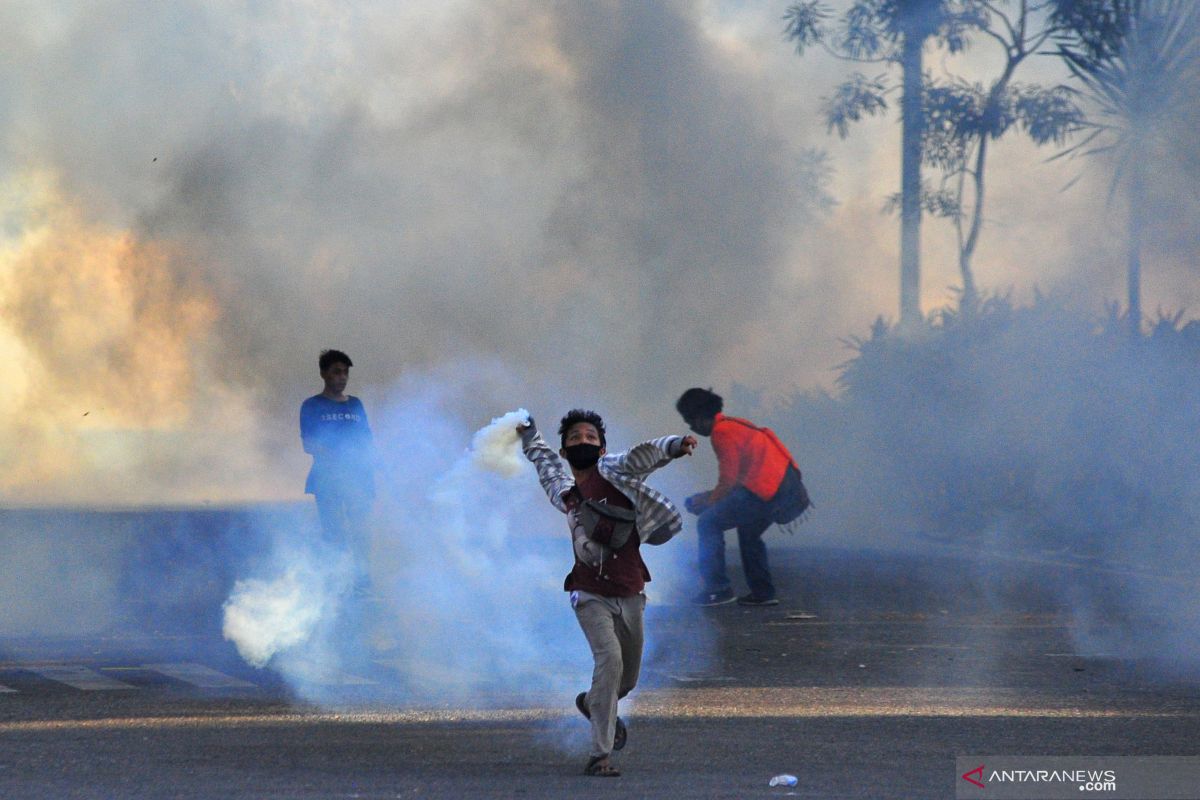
(582, 456)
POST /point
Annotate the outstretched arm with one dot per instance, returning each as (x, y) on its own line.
(728, 471)
(648, 456)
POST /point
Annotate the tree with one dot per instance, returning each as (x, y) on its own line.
(1094, 27)
(891, 33)
(963, 118)
(1139, 80)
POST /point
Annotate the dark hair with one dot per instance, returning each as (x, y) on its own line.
(699, 404)
(576, 416)
(330, 357)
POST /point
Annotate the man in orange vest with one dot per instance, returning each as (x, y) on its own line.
(752, 467)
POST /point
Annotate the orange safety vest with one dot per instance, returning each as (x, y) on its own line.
(749, 456)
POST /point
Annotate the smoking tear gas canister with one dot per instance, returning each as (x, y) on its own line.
(494, 447)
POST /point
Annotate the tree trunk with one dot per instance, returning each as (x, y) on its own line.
(966, 252)
(912, 124)
(1133, 276)
(991, 112)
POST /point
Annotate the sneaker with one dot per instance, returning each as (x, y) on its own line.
(754, 600)
(714, 598)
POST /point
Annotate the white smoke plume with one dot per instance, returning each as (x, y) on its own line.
(266, 616)
(454, 542)
(468, 556)
(495, 447)
(467, 559)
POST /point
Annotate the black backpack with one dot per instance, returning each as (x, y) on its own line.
(791, 500)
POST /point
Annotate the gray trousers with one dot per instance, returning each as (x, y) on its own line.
(613, 627)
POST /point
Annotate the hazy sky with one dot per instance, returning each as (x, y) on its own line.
(538, 204)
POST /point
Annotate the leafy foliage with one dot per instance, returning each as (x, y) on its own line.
(858, 97)
(1134, 90)
(955, 120)
(804, 23)
(1140, 92)
(958, 113)
(1095, 27)
(940, 202)
(1046, 115)
(1030, 425)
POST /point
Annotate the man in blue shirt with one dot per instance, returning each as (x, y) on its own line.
(335, 431)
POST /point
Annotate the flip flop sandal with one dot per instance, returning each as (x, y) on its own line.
(599, 767)
(620, 732)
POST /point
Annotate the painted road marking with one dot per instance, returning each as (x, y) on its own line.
(81, 678)
(199, 675)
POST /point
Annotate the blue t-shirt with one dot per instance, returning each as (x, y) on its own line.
(339, 439)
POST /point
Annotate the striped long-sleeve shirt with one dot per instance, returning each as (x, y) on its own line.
(657, 518)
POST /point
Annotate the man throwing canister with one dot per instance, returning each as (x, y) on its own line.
(611, 513)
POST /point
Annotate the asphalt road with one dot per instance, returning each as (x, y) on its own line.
(870, 679)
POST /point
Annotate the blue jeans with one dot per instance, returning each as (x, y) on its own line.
(344, 518)
(750, 514)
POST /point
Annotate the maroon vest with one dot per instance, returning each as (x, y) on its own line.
(623, 574)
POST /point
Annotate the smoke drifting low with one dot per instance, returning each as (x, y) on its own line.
(466, 602)
(493, 204)
(1025, 435)
(265, 617)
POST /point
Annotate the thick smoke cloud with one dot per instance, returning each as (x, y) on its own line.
(508, 204)
(467, 558)
(551, 184)
(631, 186)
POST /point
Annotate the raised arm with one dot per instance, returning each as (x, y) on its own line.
(556, 479)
